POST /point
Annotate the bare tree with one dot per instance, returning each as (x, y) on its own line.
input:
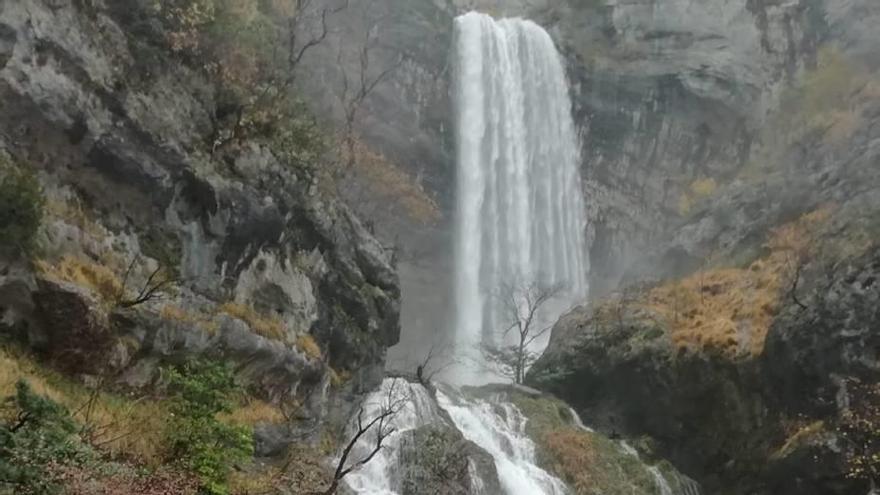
(155, 287)
(373, 428)
(297, 47)
(436, 360)
(358, 86)
(521, 303)
(305, 27)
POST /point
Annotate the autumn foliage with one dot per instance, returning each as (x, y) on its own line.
(730, 310)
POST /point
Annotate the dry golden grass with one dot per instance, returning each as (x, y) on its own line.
(698, 190)
(118, 426)
(571, 451)
(731, 309)
(204, 322)
(306, 343)
(726, 309)
(73, 214)
(270, 327)
(389, 182)
(85, 273)
(253, 412)
(253, 482)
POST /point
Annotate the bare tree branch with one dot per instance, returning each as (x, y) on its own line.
(428, 368)
(521, 303)
(355, 90)
(381, 424)
(795, 280)
(155, 287)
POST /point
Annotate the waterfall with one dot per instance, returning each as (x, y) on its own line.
(500, 430)
(520, 220)
(416, 408)
(520, 214)
(497, 428)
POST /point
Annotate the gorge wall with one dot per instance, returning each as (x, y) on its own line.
(673, 99)
(730, 165)
(720, 139)
(259, 266)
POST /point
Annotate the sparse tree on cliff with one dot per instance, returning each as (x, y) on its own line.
(359, 82)
(521, 304)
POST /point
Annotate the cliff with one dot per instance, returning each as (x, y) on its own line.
(157, 246)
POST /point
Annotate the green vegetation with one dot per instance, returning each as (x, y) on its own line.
(828, 98)
(35, 433)
(236, 43)
(21, 208)
(826, 104)
(198, 440)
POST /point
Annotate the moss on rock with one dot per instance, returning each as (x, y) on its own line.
(590, 463)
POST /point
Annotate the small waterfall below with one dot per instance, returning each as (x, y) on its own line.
(416, 408)
(520, 217)
(500, 430)
(496, 426)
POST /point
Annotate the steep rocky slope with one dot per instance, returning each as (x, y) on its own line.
(707, 126)
(248, 258)
(730, 155)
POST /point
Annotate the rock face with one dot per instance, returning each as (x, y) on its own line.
(768, 424)
(833, 337)
(674, 98)
(437, 459)
(115, 128)
(626, 378)
(763, 423)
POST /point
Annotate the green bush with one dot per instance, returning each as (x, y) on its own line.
(197, 439)
(21, 208)
(36, 434)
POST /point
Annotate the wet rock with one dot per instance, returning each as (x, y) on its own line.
(810, 350)
(437, 459)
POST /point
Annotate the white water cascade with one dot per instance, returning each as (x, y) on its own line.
(520, 218)
(415, 407)
(520, 221)
(499, 429)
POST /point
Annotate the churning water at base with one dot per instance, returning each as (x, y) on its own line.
(415, 407)
(520, 218)
(500, 430)
(497, 428)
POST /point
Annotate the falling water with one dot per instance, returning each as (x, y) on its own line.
(520, 220)
(499, 428)
(416, 407)
(520, 216)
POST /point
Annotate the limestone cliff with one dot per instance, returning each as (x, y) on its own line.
(260, 266)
